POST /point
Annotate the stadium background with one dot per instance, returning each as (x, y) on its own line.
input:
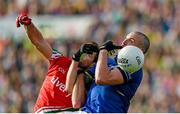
(23, 68)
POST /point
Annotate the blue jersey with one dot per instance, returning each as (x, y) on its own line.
(112, 99)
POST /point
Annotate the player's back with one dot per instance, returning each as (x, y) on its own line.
(112, 99)
(52, 95)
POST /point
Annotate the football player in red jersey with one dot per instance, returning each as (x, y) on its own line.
(52, 96)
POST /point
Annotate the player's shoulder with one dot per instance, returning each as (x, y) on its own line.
(136, 76)
(139, 72)
(56, 55)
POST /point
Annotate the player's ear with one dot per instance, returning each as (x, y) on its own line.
(128, 41)
(143, 50)
(132, 40)
(124, 43)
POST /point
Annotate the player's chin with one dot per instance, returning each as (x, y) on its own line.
(83, 65)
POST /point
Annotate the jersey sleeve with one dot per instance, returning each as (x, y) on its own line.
(126, 76)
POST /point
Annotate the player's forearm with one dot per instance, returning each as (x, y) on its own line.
(102, 71)
(71, 76)
(78, 95)
(37, 39)
(33, 33)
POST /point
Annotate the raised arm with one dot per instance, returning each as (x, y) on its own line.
(78, 94)
(71, 77)
(84, 50)
(72, 72)
(103, 75)
(34, 35)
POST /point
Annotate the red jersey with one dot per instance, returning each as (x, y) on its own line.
(52, 95)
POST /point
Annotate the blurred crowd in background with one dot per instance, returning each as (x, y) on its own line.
(23, 68)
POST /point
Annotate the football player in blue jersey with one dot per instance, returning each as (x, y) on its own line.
(113, 88)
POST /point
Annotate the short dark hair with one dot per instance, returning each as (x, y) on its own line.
(146, 43)
(94, 44)
(96, 48)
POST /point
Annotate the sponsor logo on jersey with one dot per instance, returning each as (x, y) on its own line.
(56, 82)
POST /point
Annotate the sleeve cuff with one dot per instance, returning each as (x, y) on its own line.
(126, 75)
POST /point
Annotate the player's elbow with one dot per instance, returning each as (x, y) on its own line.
(101, 76)
(68, 90)
(77, 105)
(99, 80)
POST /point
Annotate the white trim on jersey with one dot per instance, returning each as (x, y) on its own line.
(55, 54)
(50, 108)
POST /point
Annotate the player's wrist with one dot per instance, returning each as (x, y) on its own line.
(106, 45)
(28, 26)
(26, 22)
(103, 48)
(23, 19)
(80, 71)
(76, 56)
(104, 51)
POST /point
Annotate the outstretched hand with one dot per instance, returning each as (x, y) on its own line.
(109, 46)
(23, 19)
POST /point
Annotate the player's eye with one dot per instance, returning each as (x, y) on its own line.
(89, 55)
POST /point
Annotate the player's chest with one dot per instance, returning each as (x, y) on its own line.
(58, 70)
(57, 77)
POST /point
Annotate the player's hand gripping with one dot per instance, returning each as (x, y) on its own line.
(23, 19)
(85, 48)
(109, 46)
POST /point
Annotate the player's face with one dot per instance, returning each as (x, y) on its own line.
(87, 60)
(132, 39)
